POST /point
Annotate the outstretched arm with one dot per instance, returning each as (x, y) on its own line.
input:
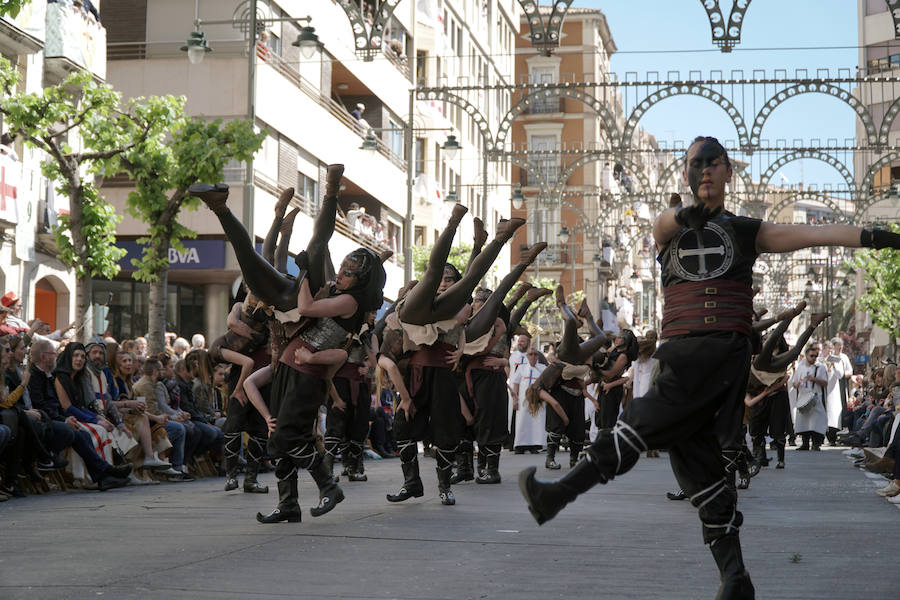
(774, 237)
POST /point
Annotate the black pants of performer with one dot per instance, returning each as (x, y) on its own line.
(573, 406)
(696, 401)
(346, 430)
(771, 416)
(295, 399)
(492, 401)
(610, 401)
(241, 419)
(437, 417)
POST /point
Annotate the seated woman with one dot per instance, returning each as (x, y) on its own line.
(75, 393)
(152, 438)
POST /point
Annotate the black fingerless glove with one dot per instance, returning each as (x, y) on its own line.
(879, 238)
(696, 215)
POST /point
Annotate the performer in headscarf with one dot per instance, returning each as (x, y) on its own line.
(707, 257)
(298, 390)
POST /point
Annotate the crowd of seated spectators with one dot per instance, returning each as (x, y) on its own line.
(872, 421)
(107, 415)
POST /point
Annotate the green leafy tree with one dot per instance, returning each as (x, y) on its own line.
(11, 8)
(84, 129)
(459, 257)
(163, 169)
(882, 298)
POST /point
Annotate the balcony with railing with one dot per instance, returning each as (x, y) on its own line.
(539, 171)
(24, 33)
(75, 41)
(336, 110)
(543, 106)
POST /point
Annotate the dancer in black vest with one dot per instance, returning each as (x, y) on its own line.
(707, 257)
(299, 389)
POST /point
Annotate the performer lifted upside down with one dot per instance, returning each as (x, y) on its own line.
(487, 347)
(706, 256)
(299, 389)
(432, 316)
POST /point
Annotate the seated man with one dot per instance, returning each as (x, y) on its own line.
(62, 431)
(153, 391)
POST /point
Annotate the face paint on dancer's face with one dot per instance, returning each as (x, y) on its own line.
(707, 172)
(448, 279)
(346, 275)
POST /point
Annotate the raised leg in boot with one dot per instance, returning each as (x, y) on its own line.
(482, 321)
(418, 305)
(268, 249)
(448, 303)
(288, 508)
(409, 463)
(478, 242)
(614, 452)
(320, 265)
(516, 316)
(584, 313)
(735, 580)
(784, 360)
(261, 277)
(282, 252)
(517, 295)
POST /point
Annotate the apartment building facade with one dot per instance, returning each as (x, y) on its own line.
(45, 42)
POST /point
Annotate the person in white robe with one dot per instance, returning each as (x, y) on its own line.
(807, 385)
(531, 432)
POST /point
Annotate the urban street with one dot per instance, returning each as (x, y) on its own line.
(813, 530)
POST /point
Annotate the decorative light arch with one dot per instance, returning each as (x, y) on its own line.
(691, 89)
(590, 157)
(811, 87)
(863, 206)
(894, 9)
(869, 177)
(885, 130)
(801, 154)
(368, 39)
(811, 196)
(726, 35)
(545, 37)
(468, 107)
(602, 110)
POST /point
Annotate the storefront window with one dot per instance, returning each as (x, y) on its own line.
(129, 308)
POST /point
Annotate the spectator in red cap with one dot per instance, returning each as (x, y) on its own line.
(14, 304)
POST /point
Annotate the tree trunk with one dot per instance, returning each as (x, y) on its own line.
(156, 339)
(84, 314)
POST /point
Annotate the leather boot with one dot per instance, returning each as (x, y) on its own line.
(546, 499)
(288, 508)
(482, 461)
(444, 470)
(231, 450)
(214, 196)
(412, 483)
(492, 471)
(736, 584)
(465, 470)
(551, 463)
(330, 495)
(251, 485)
(355, 470)
(574, 452)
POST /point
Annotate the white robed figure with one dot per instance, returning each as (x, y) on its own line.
(833, 404)
(530, 428)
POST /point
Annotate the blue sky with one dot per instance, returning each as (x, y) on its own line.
(677, 25)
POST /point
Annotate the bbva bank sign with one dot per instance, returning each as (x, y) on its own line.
(197, 254)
